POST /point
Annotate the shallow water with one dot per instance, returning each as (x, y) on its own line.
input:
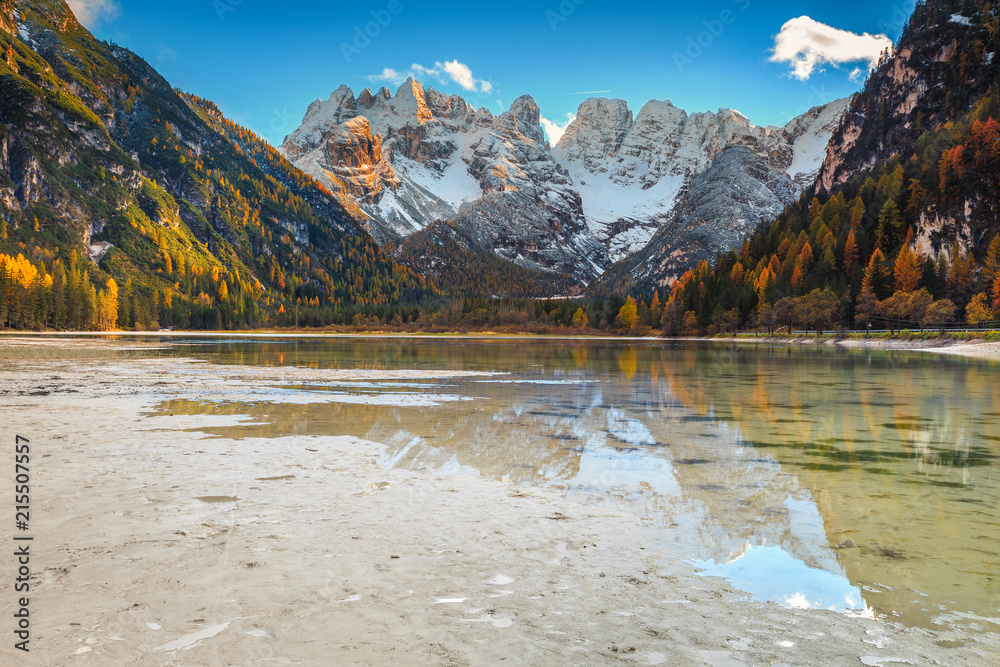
(755, 463)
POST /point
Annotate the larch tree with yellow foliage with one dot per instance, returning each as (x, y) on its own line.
(629, 314)
(978, 310)
(107, 306)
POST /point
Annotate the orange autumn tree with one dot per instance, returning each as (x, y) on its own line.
(877, 276)
(908, 271)
(995, 293)
(850, 253)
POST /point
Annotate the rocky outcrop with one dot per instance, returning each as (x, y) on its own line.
(719, 211)
(939, 68)
(631, 174)
(418, 157)
(7, 21)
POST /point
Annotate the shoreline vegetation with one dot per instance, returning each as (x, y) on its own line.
(979, 344)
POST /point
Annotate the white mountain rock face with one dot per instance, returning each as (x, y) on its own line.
(630, 173)
(408, 160)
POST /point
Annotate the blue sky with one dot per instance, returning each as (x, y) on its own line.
(263, 62)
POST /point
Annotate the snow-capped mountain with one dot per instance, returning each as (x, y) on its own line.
(409, 160)
(631, 174)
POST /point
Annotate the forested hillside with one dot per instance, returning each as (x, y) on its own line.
(904, 229)
(112, 184)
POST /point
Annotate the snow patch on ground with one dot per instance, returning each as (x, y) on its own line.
(454, 186)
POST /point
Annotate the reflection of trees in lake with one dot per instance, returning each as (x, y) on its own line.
(897, 452)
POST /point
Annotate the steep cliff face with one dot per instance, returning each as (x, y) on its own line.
(943, 62)
(494, 178)
(594, 199)
(943, 68)
(719, 211)
(631, 174)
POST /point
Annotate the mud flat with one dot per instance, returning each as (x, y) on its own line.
(155, 544)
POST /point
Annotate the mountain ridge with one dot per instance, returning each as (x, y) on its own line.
(419, 158)
(102, 159)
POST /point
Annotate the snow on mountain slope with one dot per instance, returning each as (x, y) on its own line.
(719, 210)
(438, 159)
(811, 133)
(630, 173)
(410, 160)
(417, 174)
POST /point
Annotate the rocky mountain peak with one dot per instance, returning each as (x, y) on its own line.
(598, 196)
(411, 101)
(631, 173)
(523, 120)
(598, 131)
(366, 100)
(525, 109)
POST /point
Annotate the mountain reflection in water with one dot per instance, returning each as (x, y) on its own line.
(736, 452)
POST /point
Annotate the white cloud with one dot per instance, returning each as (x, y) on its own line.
(806, 45)
(388, 75)
(444, 73)
(92, 13)
(555, 131)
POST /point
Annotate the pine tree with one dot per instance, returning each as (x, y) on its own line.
(857, 213)
(890, 225)
(991, 264)
(88, 310)
(655, 311)
(907, 271)
(850, 253)
(107, 315)
(877, 276)
(960, 280)
(59, 296)
(995, 293)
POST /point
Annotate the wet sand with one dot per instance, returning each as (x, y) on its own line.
(971, 350)
(157, 547)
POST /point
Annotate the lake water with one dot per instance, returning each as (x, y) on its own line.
(754, 463)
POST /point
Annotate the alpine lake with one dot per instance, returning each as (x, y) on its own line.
(864, 482)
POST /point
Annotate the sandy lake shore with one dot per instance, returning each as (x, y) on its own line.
(972, 350)
(155, 544)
